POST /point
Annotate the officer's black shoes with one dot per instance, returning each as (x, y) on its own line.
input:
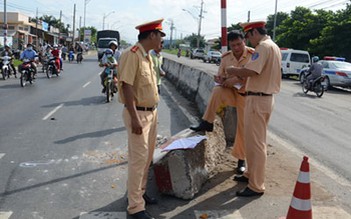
(203, 126)
(149, 200)
(141, 215)
(240, 169)
(241, 179)
(247, 192)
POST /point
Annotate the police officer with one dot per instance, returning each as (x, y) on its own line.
(225, 94)
(263, 81)
(138, 92)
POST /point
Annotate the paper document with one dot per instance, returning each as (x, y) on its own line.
(184, 143)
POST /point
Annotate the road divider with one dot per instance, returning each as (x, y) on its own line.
(86, 84)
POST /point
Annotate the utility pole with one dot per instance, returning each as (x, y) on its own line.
(275, 19)
(5, 24)
(170, 39)
(60, 24)
(36, 29)
(200, 20)
(85, 9)
(248, 16)
(80, 27)
(74, 23)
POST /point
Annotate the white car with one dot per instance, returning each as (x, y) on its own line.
(336, 70)
(212, 56)
(293, 61)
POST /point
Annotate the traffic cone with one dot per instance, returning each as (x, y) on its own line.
(300, 206)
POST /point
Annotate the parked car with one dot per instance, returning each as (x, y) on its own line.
(197, 54)
(293, 61)
(212, 56)
(336, 70)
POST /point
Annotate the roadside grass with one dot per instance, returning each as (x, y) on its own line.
(173, 51)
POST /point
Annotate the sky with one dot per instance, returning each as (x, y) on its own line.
(124, 15)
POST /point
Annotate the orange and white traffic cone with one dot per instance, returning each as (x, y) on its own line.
(300, 206)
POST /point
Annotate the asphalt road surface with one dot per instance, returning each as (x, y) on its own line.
(63, 148)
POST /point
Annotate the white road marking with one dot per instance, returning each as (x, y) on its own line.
(53, 111)
(5, 215)
(223, 214)
(1, 155)
(103, 215)
(86, 84)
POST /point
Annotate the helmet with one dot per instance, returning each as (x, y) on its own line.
(108, 51)
(315, 59)
(113, 42)
(55, 46)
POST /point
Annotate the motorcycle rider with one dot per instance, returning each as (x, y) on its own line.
(315, 71)
(56, 53)
(8, 52)
(114, 46)
(108, 60)
(29, 53)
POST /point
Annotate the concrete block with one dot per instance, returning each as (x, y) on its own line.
(182, 173)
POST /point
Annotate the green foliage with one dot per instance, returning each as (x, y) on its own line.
(320, 32)
(93, 33)
(193, 40)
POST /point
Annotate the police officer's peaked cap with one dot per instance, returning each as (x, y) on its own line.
(252, 25)
(153, 25)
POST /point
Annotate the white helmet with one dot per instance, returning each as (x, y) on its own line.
(113, 42)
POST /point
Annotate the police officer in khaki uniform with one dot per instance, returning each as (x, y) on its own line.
(225, 94)
(138, 92)
(263, 81)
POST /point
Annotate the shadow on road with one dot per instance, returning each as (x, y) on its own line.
(96, 134)
(88, 101)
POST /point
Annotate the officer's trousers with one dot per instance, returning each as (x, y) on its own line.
(140, 154)
(257, 113)
(222, 97)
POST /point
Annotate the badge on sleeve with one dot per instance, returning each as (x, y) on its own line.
(255, 56)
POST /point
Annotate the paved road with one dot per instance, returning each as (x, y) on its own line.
(62, 148)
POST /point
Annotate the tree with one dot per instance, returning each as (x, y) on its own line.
(93, 33)
(193, 40)
(281, 16)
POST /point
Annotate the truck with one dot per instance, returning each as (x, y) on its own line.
(103, 38)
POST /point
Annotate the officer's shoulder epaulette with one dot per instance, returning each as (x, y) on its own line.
(250, 50)
(134, 48)
(226, 53)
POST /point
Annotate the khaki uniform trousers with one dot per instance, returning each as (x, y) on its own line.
(140, 154)
(258, 110)
(222, 96)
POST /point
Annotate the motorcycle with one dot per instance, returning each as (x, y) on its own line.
(26, 72)
(79, 57)
(6, 69)
(110, 84)
(70, 56)
(318, 85)
(218, 61)
(52, 68)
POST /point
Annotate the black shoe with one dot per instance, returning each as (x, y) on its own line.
(141, 215)
(203, 126)
(149, 200)
(240, 169)
(241, 179)
(247, 192)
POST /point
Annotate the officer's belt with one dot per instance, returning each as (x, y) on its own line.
(141, 108)
(249, 93)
